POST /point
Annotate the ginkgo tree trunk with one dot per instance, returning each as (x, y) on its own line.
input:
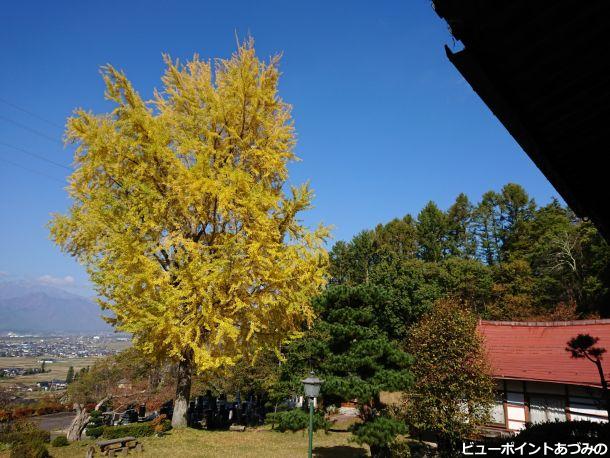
(182, 216)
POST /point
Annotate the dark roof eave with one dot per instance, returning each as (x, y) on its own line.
(467, 64)
(558, 382)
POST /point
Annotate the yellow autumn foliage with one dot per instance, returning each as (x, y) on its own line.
(181, 214)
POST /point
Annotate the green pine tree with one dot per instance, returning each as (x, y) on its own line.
(349, 348)
(460, 237)
(432, 233)
(70, 375)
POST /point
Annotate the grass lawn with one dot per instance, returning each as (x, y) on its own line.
(252, 443)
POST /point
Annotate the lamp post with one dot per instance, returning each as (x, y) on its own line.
(312, 386)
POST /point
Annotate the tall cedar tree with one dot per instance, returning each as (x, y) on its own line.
(453, 391)
(460, 239)
(351, 263)
(488, 228)
(180, 216)
(432, 233)
(516, 212)
(397, 239)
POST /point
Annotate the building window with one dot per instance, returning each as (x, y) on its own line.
(547, 408)
(497, 411)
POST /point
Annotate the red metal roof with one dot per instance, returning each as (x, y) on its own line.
(536, 350)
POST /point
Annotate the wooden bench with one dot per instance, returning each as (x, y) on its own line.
(121, 445)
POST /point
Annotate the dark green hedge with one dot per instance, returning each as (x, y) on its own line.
(565, 432)
(296, 420)
(135, 430)
(94, 431)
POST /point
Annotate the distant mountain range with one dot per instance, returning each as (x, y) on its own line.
(31, 307)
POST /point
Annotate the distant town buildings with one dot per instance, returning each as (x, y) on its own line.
(52, 385)
(19, 353)
(63, 347)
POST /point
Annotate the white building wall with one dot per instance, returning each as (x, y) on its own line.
(526, 402)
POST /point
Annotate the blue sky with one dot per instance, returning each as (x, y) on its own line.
(384, 121)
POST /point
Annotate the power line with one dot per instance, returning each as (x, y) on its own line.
(29, 129)
(15, 164)
(34, 115)
(38, 156)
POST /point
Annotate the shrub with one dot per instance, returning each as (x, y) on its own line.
(562, 431)
(23, 432)
(30, 450)
(400, 449)
(46, 407)
(380, 434)
(94, 431)
(95, 427)
(42, 407)
(570, 432)
(22, 412)
(135, 430)
(166, 425)
(17, 437)
(60, 441)
(271, 418)
(296, 420)
(161, 424)
(96, 419)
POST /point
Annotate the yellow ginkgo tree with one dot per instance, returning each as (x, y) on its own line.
(183, 218)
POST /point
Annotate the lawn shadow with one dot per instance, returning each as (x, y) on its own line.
(339, 451)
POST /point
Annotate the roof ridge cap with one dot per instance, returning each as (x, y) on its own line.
(545, 323)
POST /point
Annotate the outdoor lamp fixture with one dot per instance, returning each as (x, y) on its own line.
(312, 386)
